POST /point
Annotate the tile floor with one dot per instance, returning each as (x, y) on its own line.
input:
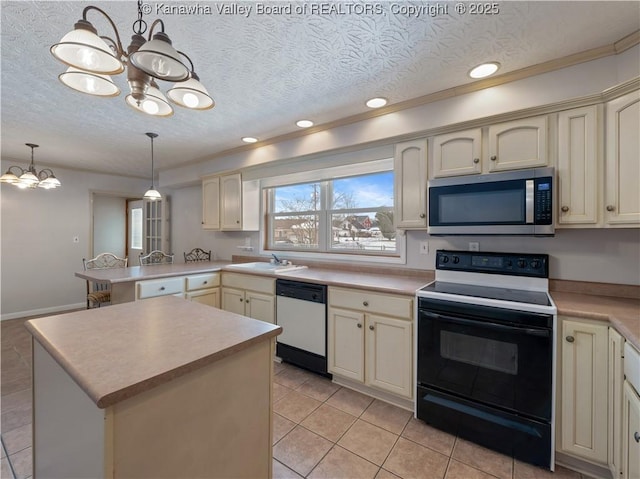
(321, 430)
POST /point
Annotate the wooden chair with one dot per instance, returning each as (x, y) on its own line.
(197, 254)
(156, 257)
(100, 293)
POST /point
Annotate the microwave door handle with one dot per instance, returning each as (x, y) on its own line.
(543, 333)
(529, 201)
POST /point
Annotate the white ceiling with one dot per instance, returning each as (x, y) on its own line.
(267, 71)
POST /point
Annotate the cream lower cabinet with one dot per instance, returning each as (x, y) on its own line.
(251, 296)
(614, 419)
(204, 289)
(631, 433)
(370, 339)
(583, 386)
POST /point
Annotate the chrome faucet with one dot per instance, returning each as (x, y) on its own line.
(276, 258)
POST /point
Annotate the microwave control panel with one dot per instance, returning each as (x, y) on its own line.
(543, 203)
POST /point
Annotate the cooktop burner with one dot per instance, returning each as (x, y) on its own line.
(503, 294)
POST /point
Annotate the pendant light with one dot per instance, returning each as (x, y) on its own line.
(152, 194)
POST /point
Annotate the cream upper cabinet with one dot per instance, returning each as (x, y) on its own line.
(518, 144)
(370, 339)
(410, 172)
(211, 203)
(578, 166)
(622, 161)
(584, 389)
(457, 153)
(231, 202)
(614, 420)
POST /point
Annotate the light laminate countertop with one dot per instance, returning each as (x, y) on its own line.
(117, 352)
(155, 271)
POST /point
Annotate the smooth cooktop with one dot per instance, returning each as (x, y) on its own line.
(503, 294)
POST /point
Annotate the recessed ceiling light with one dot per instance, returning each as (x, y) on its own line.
(249, 139)
(376, 102)
(484, 70)
(304, 123)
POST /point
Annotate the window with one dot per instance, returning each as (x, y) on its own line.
(347, 215)
(136, 228)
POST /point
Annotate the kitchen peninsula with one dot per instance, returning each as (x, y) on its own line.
(157, 388)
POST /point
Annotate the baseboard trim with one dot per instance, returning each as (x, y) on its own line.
(582, 466)
(382, 395)
(42, 311)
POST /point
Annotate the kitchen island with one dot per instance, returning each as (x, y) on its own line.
(157, 388)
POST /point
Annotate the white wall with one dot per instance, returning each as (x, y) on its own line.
(109, 225)
(38, 254)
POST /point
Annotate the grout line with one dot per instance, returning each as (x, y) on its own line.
(6, 454)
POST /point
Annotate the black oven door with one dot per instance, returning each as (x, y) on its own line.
(495, 357)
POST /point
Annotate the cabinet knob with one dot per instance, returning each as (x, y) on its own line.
(476, 160)
(204, 282)
(241, 300)
(565, 209)
(365, 303)
(570, 339)
(246, 301)
(359, 325)
(371, 327)
(611, 208)
(636, 436)
(161, 288)
(238, 222)
(494, 158)
(422, 215)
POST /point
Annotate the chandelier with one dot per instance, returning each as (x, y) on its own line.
(30, 178)
(91, 61)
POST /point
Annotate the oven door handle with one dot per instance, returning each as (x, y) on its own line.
(543, 333)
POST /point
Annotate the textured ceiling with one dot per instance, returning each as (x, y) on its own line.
(267, 71)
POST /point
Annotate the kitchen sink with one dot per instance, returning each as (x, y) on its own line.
(265, 267)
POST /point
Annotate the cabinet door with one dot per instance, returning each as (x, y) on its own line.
(410, 172)
(457, 153)
(210, 297)
(622, 164)
(211, 203)
(231, 202)
(232, 300)
(260, 306)
(584, 390)
(631, 433)
(346, 344)
(578, 185)
(388, 354)
(518, 144)
(616, 379)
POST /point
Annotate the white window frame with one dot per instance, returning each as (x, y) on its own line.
(311, 176)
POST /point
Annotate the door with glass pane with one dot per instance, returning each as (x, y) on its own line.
(134, 231)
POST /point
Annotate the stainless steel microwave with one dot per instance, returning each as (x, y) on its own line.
(511, 203)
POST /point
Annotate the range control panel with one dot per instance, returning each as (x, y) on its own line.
(516, 264)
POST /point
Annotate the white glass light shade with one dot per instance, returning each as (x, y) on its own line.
(9, 177)
(160, 60)
(28, 179)
(90, 83)
(152, 194)
(155, 103)
(191, 94)
(87, 51)
(49, 183)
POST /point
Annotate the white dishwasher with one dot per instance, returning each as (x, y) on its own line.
(301, 311)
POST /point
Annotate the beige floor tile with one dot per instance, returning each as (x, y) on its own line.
(292, 377)
(329, 422)
(350, 401)
(368, 441)
(13, 385)
(17, 439)
(280, 391)
(484, 459)
(384, 474)
(387, 416)
(413, 461)
(16, 417)
(342, 464)
(280, 471)
(458, 470)
(21, 462)
(5, 469)
(527, 471)
(281, 427)
(425, 435)
(318, 388)
(16, 400)
(279, 367)
(295, 406)
(301, 450)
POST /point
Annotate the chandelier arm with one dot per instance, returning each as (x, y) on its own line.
(118, 44)
(22, 170)
(187, 57)
(155, 22)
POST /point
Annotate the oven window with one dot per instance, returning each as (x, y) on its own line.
(485, 353)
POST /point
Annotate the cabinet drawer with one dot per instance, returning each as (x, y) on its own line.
(378, 303)
(203, 281)
(249, 282)
(159, 287)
